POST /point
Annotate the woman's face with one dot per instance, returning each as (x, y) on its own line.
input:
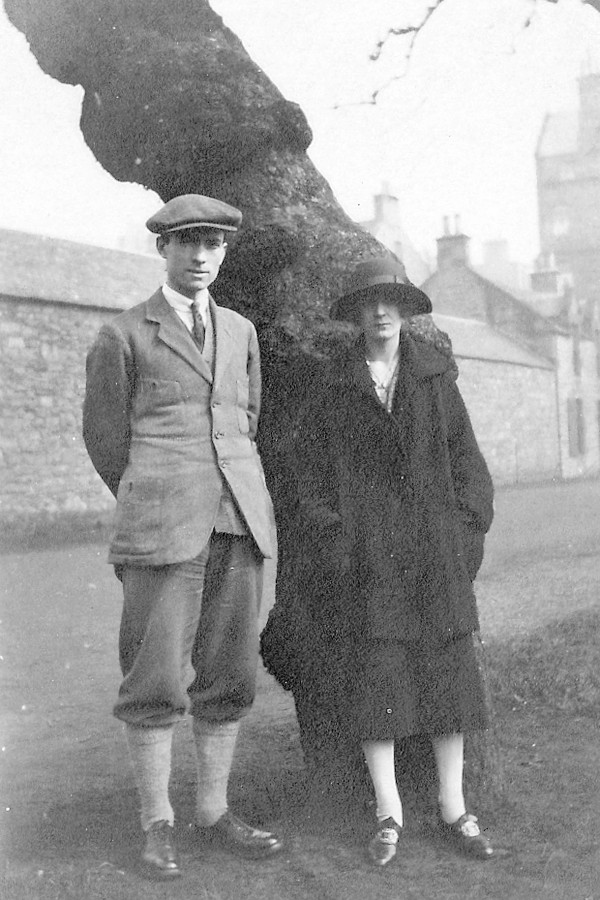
(381, 320)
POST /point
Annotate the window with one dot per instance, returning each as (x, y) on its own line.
(576, 425)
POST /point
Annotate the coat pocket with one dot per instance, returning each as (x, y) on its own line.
(138, 521)
(157, 408)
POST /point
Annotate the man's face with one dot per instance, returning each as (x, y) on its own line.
(193, 258)
(381, 320)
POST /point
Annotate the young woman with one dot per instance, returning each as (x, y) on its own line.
(395, 499)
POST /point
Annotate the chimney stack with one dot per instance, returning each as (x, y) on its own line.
(452, 248)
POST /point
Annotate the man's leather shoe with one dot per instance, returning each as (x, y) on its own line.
(466, 837)
(239, 837)
(160, 855)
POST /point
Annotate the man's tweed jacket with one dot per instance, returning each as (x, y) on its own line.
(165, 434)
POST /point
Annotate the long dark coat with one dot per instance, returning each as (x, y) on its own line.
(403, 501)
(392, 511)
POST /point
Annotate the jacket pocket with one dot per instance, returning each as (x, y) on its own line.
(157, 408)
(138, 521)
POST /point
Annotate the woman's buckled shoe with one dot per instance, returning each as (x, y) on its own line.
(382, 847)
(465, 835)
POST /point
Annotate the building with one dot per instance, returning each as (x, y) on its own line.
(498, 266)
(54, 296)
(568, 184)
(574, 325)
(387, 227)
(531, 381)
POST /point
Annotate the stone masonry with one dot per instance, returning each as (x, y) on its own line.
(47, 478)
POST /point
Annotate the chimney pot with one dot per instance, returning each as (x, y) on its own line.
(452, 249)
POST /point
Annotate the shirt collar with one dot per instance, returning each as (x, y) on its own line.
(182, 303)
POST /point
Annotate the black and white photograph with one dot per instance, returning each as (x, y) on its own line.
(299, 449)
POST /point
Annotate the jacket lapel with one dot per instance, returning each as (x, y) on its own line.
(173, 333)
(226, 343)
(419, 361)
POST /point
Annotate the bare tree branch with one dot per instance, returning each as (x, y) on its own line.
(595, 4)
(413, 30)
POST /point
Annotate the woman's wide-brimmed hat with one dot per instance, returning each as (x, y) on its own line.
(382, 277)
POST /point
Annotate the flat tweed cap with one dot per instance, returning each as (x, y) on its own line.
(382, 277)
(194, 211)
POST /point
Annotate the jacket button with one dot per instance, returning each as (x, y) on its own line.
(219, 434)
(223, 463)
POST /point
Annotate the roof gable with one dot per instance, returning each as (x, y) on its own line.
(461, 293)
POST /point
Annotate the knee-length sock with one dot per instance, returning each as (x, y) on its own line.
(449, 756)
(150, 753)
(379, 756)
(215, 746)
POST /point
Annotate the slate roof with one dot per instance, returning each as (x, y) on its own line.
(474, 339)
(44, 268)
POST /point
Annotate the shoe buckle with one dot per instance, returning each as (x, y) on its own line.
(388, 836)
(470, 828)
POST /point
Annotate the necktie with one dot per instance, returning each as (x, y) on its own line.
(198, 326)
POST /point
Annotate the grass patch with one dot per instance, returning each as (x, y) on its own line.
(557, 666)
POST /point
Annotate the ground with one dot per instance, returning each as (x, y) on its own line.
(68, 810)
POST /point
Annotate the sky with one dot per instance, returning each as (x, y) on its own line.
(453, 134)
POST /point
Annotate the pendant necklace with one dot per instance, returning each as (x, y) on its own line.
(385, 382)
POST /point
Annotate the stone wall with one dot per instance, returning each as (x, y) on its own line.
(514, 415)
(49, 486)
(48, 483)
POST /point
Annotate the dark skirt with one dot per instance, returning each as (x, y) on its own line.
(389, 690)
(379, 689)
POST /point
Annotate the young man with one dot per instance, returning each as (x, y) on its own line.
(169, 421)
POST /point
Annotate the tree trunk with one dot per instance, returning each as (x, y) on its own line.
(173, 102)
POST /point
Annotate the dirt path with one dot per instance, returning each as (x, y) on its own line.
(69, 827)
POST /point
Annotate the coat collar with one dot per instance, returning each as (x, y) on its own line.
(418, 360)
(175, 335)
